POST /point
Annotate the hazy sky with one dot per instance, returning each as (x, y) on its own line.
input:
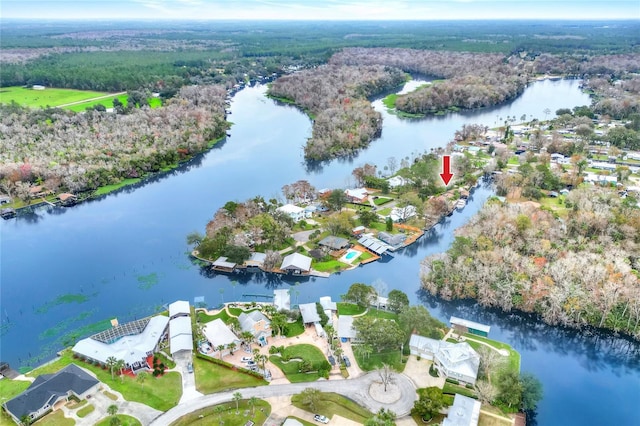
(321, 9)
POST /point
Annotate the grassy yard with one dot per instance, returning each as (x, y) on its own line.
(160, 393)
(237, 311)
(382, 200)
(329, 266)
(331, 404)
(47, 97)
(106, 102)
(10, 388)
(375, 360)
(110, 188)
(380, 313)
(350, 309)
(451, 388)
(514, 356)
(86, 410)
(212, 378)
(305, 352)
(382, 212)
(304, 422)
(56, 418)
(226, 414)
(294, 328)
(124, 421)
(204, 318)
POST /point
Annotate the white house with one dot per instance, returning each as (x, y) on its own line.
(455, 360)
(218, 333)
(294, 212)
(309, 313)
(465, 411)
(400, 214)
(397, 181)
(296, 263)
(358, 195)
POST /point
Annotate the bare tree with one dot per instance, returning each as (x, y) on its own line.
(387, 376)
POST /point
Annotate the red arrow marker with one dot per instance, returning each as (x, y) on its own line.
(446, 174)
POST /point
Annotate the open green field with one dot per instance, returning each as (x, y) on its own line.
(226, 414)
(297, 354)
(330, 404)
(124, 421)
(47, 97)
(212, 378)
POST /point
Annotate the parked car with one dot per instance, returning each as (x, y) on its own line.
(321, 419)
(246, 359)
(347, 363)
(251, 363)
(190, 367)
(332, 360)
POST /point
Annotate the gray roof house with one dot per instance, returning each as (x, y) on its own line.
(334, 243)
(218, 333)
(257, 324)
(465, 411)
(345, 327)
(309, 313)
(48, 389)
(297, 263)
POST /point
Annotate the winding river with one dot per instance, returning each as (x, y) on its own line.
(125, 255)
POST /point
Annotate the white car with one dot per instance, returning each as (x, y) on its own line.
(246, 359)
(321, 419)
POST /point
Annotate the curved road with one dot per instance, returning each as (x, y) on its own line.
(356, 389)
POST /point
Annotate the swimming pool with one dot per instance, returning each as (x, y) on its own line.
(351, 255)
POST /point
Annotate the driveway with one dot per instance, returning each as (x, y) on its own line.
(355, 389)
(188, 379)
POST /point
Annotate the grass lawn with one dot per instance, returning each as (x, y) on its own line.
(329, 266)
(237, 311)
(227, 415)
(514, 161)
(86, 410)
(302, 352)
(124, 421)
(110, 188)
(364, 256)
(435, 420)
(56, 418)
(487, 420)
(212, 378)
(390, 101)
(350, 309)
(382, 200)
(160, 393)
(451, 388)
(10, 388)
(49, 96)
(382, 212)
(330, 404)
(294, 328)
(109, 395)
(380, 313)
(106, 102)
(204, 318)
(514, 356)
(304, 422)
(357, 207)
(375, 360)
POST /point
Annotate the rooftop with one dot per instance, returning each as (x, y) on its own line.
(296, 261)
(470, 324)
(309, 313)
(218, 333)
(179, 307)
(465, 411)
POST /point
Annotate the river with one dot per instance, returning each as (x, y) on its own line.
(126, 255)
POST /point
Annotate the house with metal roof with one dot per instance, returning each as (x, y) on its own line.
(465, 411)
(47, 390)
(462, 326)
(375, 245)
(334, 243)
(455, 360)
(131, 342)
(327, 304)
(257, 324)
(282, 299)
(358, 195)
(256, 260)
(179, 307)
(222, 264)
(309, 313)
(296, 263)
(180, 335)
(346, 332)
(294, 212)
(219, 334)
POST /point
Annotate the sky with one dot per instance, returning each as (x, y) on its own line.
(320, 9)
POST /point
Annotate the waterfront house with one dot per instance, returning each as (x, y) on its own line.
(179, 308)
(401, 214)
(454, 360)
(375, 245)
(296, 263)
(67, 200)
(327, 304)
(49, 392)
(334, 243)
(309, 313)
(294, 212)
(180, 331)
(257, 324)
(358, 195)
(465, 411)
(256, 260)
(5, 199)
(397, 181)
(346, 332)
(133, 342)
(218, 333)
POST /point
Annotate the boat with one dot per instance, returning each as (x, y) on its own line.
(7, 213)
(460, 204)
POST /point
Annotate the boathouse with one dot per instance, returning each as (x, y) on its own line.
(462, 326)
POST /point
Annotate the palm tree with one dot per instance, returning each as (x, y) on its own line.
(220, 348)
(142, 376)
(237, 396)
(112, 409)
(234, 324)
(263, 360)
(256, 355)
(247, 337)
(232, 346)
(338, 352)
(219, 410)
(252, 403)
(120, 364)
(25, 420)
(111, 364)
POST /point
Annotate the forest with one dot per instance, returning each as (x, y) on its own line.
(581, 271)
(63, 150)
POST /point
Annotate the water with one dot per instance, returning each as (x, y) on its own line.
(125, 255)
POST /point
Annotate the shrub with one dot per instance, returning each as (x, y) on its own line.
(453, 381)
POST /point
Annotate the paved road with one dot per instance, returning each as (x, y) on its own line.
(356, 389)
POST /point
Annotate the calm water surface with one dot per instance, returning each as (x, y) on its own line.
(126, 253)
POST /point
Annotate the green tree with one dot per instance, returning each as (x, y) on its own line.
(237, 396)
(310, 397)
(360, 294)
(398, 300)
(120, 365)
(141, 377)
(111, 365)
(336, 200)
(419, 319)
(367, 217)
(379, 333)
(194, 238)
(383, 417)
(509, 388)
(26, 420)
(430, 401)
(237, 254)
(220, 348)
(232, 347)
(252, 403)
(112, 410)
(531, 391)
(389, 224)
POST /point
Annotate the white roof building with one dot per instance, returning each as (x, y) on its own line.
(465, 411)
(296, 262)
(179, 307)
(282, 299)
(309, 313)
(358, 194)
(218, 333)
(327, 304)
(455, 360)
(397, 181)
(345, 327)
(131, 342)
(400, 214)
(180, 334)
(294, 212)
